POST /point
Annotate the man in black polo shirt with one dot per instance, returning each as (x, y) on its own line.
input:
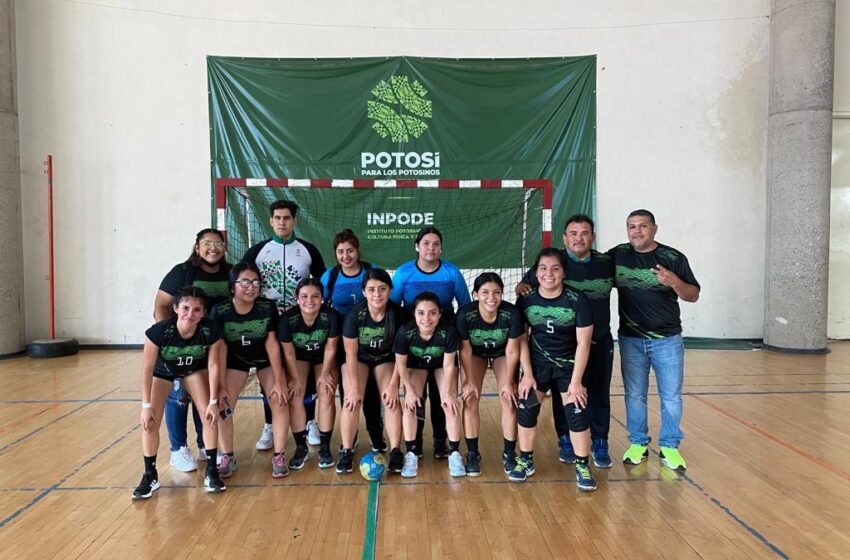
(591, 273)
(650, 279)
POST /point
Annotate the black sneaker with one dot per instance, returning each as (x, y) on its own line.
(508, 462)
(441, 450)
(147, 486)
(378, 444)
(473, 464)
(326, 458)
(213, 482)
(302, 454)
(346, 461)
(396, 462)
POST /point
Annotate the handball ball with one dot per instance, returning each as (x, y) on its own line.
(372, 466)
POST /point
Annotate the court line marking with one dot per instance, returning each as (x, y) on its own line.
(764, 433)
(44, 493)
(371, 535)
(724, 508)
(487, 395)
(40, 428)
(335, 484)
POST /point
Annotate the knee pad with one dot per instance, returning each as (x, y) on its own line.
(576, 418)
(527, 411)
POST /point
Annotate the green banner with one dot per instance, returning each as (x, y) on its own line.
(407, 119)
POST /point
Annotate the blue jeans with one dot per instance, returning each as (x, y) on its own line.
(667, 358)
(176, 416)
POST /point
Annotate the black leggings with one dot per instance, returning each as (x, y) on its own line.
(438, 415)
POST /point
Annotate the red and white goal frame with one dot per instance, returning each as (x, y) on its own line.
(545, 185)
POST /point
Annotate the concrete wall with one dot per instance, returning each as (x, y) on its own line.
(839, 246)
(117, 93)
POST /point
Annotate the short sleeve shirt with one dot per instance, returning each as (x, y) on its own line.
(425, 354)
(489, 340)
(309, 340)
(374, 338)
(553, 323)
(180, 356)
(245, 335)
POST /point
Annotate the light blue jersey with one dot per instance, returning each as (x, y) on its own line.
(348, 290)
(447, 282)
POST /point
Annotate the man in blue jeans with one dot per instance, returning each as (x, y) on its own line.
(650, 278)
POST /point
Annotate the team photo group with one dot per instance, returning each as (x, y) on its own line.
(392, 345)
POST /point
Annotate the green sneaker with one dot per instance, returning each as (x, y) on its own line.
(672, 459)
(635, 454)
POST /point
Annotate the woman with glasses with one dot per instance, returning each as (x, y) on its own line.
(206, 268)
(248, 324)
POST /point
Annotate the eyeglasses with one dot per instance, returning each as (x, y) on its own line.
(208, 244)
(244, 282)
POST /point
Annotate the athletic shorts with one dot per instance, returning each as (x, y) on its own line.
(168, 376)
(233, 362)
(552, 377)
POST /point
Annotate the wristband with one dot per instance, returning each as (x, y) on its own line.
(213, 401)
(146, 405)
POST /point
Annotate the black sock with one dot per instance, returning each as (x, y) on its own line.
(510, 447)
(526, 454)
(300, 438)
(212, 455)
(410, 446)
(454, 446)
(276, 453)
(325, 439)
(581, 460)
(472, 444)
(229, 454)
(150, 464)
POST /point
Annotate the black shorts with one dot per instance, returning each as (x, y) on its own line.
(170, 377)
(233, 362)
(552, 377)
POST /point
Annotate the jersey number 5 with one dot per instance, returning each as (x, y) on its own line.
(550, 328)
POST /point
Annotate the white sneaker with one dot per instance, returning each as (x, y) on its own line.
(456, 467)
(411, 465)
(313, 433)
(182, 460)
(266, 440)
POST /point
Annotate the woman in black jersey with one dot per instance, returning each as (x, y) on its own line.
(491, 333)
(424, 347)
(207, 269)
(368, 333)
(248, 324)
(180, 347)
(560, 327)
(309, 333)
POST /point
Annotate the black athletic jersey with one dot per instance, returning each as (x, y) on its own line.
(375, 340)
(595, 279)
(309, 340)
(488, 340)
(553, 323)
(648, 309)
(282, 265)
(214, 284)
(425, 354)
(245, 335)
(178, 356)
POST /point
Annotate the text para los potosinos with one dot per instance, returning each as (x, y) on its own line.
(390, 234)
(400, 172)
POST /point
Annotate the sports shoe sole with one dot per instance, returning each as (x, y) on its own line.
(154, 488)
(604, 464)
(211, 490)
(298, 467)
(473, 474)
(408, 475)
(280, 474)
(586, 488)
(517, 479)
(628, 461)
(343, 470)
(679, 469)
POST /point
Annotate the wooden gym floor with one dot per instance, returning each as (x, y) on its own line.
(768, 445)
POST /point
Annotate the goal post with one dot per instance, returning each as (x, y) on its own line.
(487, 224)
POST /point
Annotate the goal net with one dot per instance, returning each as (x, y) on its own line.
(487, 225)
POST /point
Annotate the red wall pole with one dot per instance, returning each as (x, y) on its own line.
(50, 243)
